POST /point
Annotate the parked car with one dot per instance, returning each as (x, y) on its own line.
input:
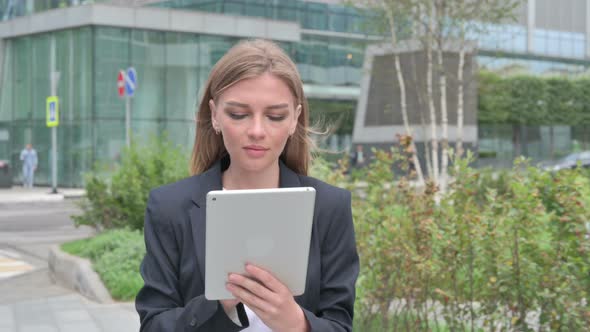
(568, 162)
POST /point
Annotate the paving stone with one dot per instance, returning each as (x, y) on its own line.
(80, 327)
(60, 304)
(67, 316)
(34, 317)
(37, 328)
(115, 319)
(6, 317)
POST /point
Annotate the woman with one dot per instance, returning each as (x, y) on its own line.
(252, 132)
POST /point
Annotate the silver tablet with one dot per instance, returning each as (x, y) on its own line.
(270, 228)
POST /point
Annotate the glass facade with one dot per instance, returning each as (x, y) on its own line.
(171, 68)
(22, 105)
(329, 60)
(532, 66)
(310, 15)
(16, 8)
(559, 43)
(506, 37)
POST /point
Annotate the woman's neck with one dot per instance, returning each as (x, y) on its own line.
(238, 178)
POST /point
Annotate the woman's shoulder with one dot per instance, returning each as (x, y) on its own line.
(176, 189)
(175, 196)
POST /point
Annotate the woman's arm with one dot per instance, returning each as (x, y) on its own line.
(340, 268)
(160, 302)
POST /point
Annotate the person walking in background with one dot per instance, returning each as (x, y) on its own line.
(29, 158)
(358, 158)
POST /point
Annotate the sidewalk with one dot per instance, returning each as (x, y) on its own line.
(30, 301)
(67, 313)
(18, 194)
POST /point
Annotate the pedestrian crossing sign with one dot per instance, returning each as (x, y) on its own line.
(52, 111)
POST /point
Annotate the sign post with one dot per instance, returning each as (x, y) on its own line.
(130, 84)
(52, 113)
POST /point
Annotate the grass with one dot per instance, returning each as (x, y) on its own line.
(115, 256)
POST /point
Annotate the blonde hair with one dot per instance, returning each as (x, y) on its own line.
(249, 59)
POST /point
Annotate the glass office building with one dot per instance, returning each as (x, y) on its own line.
(172, 67)
(173, 45)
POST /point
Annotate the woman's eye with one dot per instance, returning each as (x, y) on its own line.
(237, 116)
(276, 117)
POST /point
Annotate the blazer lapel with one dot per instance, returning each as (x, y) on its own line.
(287, 178)
(208, 181)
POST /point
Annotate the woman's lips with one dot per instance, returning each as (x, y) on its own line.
(255, 151)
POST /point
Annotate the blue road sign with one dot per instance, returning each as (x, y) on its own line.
(52, 119)
(52, 112)
(130, 81)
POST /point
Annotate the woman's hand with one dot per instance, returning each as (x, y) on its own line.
(229, 305)
(269, 298)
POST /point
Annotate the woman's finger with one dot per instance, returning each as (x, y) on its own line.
(246, 297)
(266, 278)
(251, 285)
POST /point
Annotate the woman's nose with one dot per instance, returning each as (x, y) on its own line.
(256, 130)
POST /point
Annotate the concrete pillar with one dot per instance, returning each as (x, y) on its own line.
(531, 4)
(2, 56)
(30, 7)
(587, 21)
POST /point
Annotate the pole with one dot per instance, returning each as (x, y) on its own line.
(54, 77)
(128, 120)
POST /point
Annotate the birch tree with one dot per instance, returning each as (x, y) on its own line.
(441, 25)
(440, 13)
(390, 9)
(474, 17)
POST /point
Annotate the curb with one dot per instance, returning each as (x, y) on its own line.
(77, 274)
(34, 199)
(41, 198)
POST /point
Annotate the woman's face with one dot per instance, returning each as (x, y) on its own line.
(256, 117)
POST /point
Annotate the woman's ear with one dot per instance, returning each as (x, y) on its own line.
(297, 114)
(213, 109)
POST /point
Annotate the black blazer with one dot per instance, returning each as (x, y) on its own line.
(172, 298)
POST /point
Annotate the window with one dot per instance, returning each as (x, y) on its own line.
(316, 16)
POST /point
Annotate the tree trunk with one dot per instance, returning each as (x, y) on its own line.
(444, 119)
(460, 101)
(426, 149)
(403, 103)
(430, 96)
(422, 111)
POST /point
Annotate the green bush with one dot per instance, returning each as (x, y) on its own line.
(119, 270)
(532, 100)
(119, 199)
(116, 256)
(487, 154)
(497, 247)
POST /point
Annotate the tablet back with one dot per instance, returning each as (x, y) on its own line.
(270, 228)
